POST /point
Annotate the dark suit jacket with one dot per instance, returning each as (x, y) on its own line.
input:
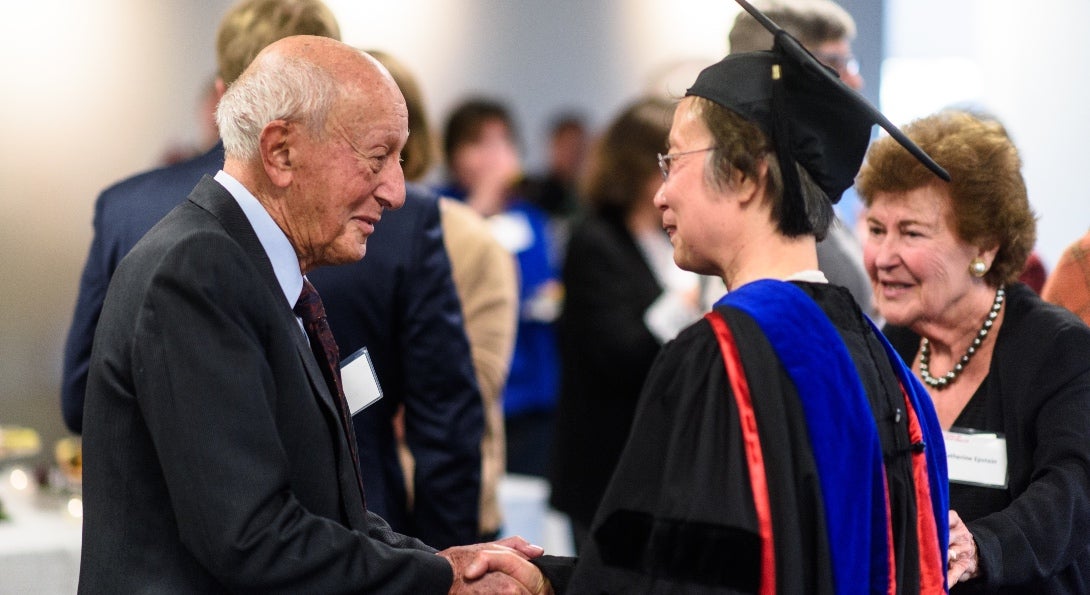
(124, 212)
(400, 303)
(605, 353)
(214, 458)
(407, 275)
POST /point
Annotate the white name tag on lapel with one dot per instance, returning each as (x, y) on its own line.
(361, 388)
(976, 458)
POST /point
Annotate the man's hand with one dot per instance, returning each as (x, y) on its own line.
(528, 550)
(497, 567)
(962, 561)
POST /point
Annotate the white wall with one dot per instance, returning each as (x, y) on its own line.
(92, 91)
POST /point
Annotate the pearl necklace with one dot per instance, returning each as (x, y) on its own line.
(925, 348)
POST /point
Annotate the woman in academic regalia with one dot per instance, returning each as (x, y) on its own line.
(780, 445)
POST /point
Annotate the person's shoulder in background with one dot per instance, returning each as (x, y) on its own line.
(1069, 283)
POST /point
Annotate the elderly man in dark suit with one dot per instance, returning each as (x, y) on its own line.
(125, 211)
(400, 302)
(217, 444)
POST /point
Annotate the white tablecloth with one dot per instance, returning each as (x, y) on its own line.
(39, 543)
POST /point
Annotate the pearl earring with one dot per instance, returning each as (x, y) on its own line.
(978, 267)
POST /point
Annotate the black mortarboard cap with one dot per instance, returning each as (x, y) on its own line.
(808, 113)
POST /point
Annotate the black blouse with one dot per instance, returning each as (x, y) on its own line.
(1033, 536)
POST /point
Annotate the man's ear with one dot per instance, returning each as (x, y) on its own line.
(276, 144)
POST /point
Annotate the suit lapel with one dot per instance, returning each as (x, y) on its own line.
(214, 198)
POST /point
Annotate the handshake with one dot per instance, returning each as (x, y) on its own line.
(497, 567)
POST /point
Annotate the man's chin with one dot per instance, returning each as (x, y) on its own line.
(360, 253)
(351, 254)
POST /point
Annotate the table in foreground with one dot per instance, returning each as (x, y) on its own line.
(40, 540)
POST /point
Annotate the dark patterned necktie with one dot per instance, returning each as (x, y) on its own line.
(310, 309)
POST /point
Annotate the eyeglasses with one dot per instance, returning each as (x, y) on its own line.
(841, 63)
(664, 160)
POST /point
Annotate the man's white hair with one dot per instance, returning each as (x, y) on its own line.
(275, 87)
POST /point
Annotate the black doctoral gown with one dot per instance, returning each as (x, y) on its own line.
(680, 514)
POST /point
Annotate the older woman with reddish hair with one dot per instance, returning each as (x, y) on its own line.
(1009, 374)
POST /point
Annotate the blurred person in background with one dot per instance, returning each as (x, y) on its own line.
(623, 298)
(554, 191)
(1034, 274)
(1009, 373)
(486, 279)
(823, 27)
(483, 166)
(1069, 283)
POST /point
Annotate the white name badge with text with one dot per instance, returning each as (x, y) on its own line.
(361, 387)
(976, 458)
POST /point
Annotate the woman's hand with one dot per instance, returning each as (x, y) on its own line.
(962, 561)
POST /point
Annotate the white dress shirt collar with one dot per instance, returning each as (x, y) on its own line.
(279, 250)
